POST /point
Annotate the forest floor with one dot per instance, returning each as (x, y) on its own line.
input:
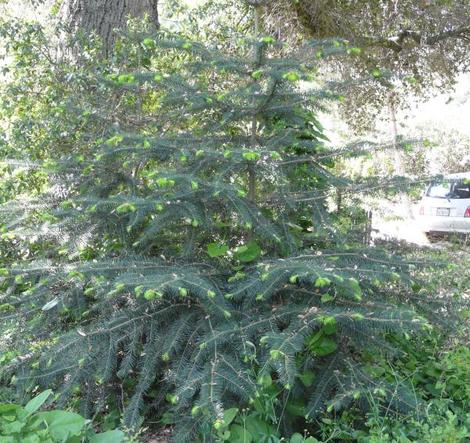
(160, 436)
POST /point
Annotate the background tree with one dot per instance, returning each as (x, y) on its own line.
(424, 44)
(103, 17)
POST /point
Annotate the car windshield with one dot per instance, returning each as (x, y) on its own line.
(452, 189)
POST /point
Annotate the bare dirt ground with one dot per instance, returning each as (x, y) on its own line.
(162, 436)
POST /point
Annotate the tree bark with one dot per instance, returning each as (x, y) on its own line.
(104, 17)
(398, 161)
(398, 158)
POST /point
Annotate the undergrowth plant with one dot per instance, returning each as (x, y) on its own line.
(182, 252)
(30, 425)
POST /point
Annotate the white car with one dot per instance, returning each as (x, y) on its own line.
(445, 206)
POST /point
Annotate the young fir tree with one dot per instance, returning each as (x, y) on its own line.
(186, 246)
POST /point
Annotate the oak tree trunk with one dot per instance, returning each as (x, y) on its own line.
(398, 158)
(104, 17)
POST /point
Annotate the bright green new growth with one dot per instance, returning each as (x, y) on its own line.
(207, 269)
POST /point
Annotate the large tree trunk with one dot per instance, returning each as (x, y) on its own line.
(399, 162)
(103, 17)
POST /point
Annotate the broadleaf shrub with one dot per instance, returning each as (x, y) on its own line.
(28, 424)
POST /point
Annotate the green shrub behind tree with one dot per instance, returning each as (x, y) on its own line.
(28, 424)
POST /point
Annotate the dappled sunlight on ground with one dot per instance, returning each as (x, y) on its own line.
(397, 221)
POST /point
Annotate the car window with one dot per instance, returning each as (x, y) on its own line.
(450, 189)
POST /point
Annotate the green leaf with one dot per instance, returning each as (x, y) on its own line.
(164, 182)
(168, 418)
(267, 39)
(257, 74)
(354, 51)
(247, 253)
(326, 298)
(259, 429)
(151, 294)
(296, 408)
(115, 436)
(119, 286)
(313, 339)
(294, 279)
(216, 249)
(61, 424)
(297, 438)
(265, 380)
(34, 404)
(227, 314)
(9, 409)
(307, 378)
(239, 434)
(172, 398)
(376, 73)
(6, 307)
(251, 156)
(238, 276)
(320, 282)
(139, 290)
(126, 207)
(324, 346)
(14, 427)
(329, 325)
(126, 78)
(291, 76)
(229, 415)
(356, 289)
(408, 148)
(148, 42)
